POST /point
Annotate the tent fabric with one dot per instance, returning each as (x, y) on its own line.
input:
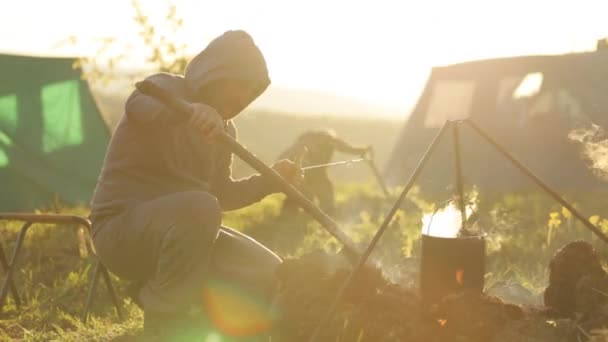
(535, 128)
(52, 136)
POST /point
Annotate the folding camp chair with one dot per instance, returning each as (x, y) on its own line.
(9, 268)
(5, 268)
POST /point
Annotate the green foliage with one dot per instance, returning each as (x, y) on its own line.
(158, 41)
(165, 54)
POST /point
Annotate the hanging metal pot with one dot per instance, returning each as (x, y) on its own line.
(451, 264)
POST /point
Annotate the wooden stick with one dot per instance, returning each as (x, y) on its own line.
(327, 165)
(378, 176)
(182, 107)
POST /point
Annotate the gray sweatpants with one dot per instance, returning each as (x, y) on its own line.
(174, 244)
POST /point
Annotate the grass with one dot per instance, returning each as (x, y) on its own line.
(524, 230)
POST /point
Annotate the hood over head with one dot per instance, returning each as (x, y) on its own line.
(233, 55)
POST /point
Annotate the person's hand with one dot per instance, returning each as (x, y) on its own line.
(289, 170)
(206, 119)
(368, 152)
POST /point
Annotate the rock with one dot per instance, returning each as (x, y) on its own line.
(575, 270)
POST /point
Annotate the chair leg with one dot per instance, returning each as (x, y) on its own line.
(92, 289)
(5, 267)
(11, 267)
(110, 288)
(98, 269)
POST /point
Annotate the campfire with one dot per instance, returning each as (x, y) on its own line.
(373, 309)
(450, 303)
(459, 277)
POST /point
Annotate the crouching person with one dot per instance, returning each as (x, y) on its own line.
(156, 211)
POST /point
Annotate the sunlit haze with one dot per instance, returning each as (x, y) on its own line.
(379, 52)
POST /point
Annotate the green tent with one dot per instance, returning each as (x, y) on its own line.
(52, 135)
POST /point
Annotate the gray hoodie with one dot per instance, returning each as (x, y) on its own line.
(153, 152)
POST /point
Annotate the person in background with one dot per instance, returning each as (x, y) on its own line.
(317, 147)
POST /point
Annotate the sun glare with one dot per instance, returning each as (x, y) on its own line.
(376, 51)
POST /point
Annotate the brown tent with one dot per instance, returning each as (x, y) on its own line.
(529, 104)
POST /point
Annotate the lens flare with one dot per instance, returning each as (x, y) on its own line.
(235, 311)
(213, 337)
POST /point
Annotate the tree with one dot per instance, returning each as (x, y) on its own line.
(162, 52)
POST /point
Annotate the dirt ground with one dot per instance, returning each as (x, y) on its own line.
(373, 309)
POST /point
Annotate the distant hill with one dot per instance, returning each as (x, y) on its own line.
(274, 99)
(286, 100)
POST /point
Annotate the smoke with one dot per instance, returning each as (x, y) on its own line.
(446, 222)
(594, 141)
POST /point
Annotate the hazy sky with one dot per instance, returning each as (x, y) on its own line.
(378, 51)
